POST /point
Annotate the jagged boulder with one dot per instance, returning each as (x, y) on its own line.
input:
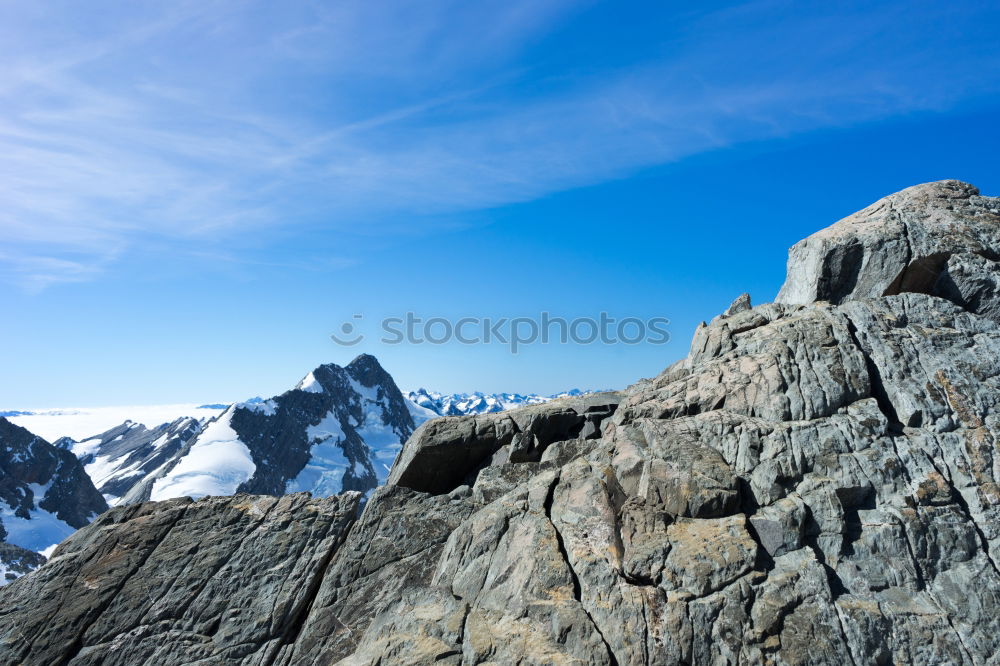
(444, 452)
(900, 243)
(971, 281)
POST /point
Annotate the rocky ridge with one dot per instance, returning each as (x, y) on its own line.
(123, 461)
(815, 483)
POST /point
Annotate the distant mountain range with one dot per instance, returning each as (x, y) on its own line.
(82, 423)
(459, 404)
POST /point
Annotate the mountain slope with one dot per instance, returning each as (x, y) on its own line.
(815, 483)
(122, 461)
(339, 429)
(45, 496)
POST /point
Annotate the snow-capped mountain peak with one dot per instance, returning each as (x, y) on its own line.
(457, 404)
(338, 429)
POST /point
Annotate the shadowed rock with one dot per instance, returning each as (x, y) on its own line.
(443, 453)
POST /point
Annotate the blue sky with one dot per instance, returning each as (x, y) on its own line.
(195, 194)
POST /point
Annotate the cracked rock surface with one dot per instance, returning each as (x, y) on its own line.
(816, 483)
(225, 580)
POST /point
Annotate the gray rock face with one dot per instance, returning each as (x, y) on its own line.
(445, 452)
(973, 282)
(898, 244)
(226, 580)
(816, 483)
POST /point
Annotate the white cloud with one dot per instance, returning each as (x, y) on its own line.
(122, 127)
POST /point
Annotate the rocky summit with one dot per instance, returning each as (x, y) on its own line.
(339, 429)
(815, 483)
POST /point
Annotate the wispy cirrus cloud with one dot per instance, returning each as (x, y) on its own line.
(191, 122)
